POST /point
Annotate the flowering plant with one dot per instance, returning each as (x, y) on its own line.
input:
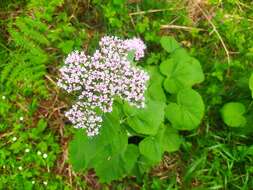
(101, 77)
(137, 131)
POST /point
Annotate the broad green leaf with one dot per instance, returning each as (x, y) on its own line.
(169, 43)
(156, 93)
(151, 149)
(180, 54)
(251, 84)
(87, 152)
(155, 90)
(118, 165)
(77, 151)
(113, 134)
(81, 150)
(232, 114)
(146, 120)
(181, 73)
(110, 169)
(187, 113)
(130, 157)
(169, 138)
(144, 165)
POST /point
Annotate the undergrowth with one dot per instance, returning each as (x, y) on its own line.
(35, 37)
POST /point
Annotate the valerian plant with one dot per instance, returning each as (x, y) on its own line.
(108, 73)
(118, 101)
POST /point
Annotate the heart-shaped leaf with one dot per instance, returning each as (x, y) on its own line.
(169, 138)
(187, 113)
(76, 151)
(155, 90)
(88, 152)
(118, 165)
(130, 156)
(232, 114)
(146, 120)
(169, 43)
(182, 72)
(151, 149)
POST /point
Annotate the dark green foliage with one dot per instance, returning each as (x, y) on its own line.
(31, 44)
(35, 40)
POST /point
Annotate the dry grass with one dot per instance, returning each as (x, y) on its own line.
(193, 10)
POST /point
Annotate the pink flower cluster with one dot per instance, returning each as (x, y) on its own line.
(98, 79)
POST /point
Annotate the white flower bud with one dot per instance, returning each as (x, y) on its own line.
(45, 155)
(27, 150)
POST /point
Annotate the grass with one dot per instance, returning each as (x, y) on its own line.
(34, 134)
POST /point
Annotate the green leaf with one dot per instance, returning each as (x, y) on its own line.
(169, 138)
(108, 153)
(42, 124)
(251, 84)
(77, 151)
(130, 56)
(118, 2)
(146, 120)
(113, 134)
(37, 131)
(110, 169)
(117, 166)
(130, 157)
(232, 114)
(151, 149)
(144, 165)
(187, 113)
(169, 43)
(181, 72)
(155, 90)
(86, 152)
(66, 46)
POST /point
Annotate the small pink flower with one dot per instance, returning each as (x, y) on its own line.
(100, 77)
